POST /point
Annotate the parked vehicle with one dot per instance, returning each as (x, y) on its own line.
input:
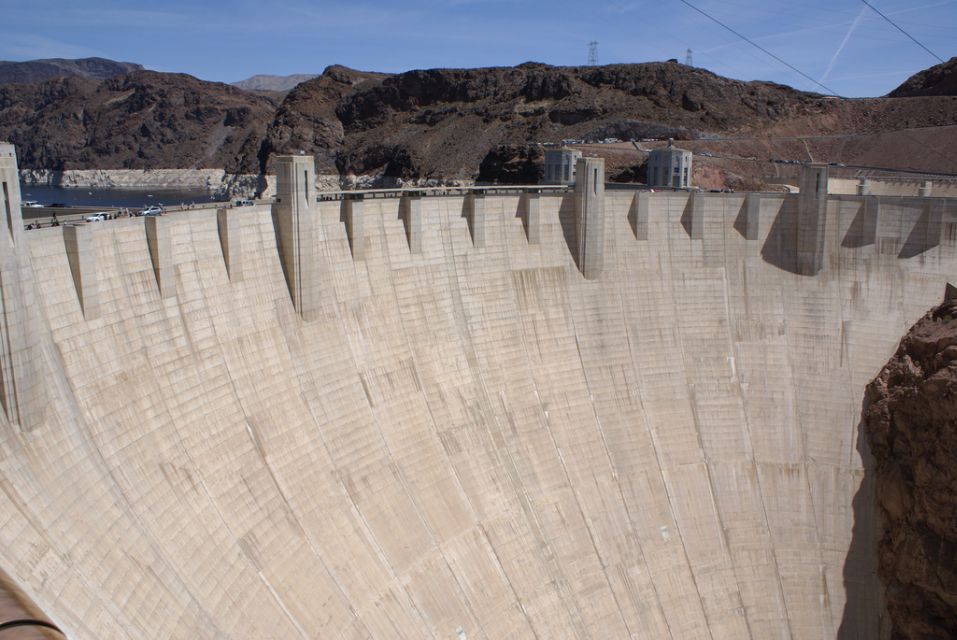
(97, 217)
(30, 204)
(152, 210)
(244, 202)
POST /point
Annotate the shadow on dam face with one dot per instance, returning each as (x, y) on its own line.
(462, 441)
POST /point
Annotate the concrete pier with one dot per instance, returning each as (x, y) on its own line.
(353, 216)
(590, 215)
(475, 215)
(411, 207)
(811, 219)
(638, 214)
(161, 249)
(532, 217)
(926, 189)
(78, 240)
(693, 218)
(21, 390)
(227, 223)
(296, 221)
(752, 216)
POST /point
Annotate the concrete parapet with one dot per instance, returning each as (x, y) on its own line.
(811, 219)
(352, 215)
(926, 189)
(82, 257)
(228, 225)
(532, 217)
(475, 216)
(411, 208)
(296, 223)
(161, 252)
(590, 215)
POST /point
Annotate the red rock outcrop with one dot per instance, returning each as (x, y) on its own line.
(910, 421)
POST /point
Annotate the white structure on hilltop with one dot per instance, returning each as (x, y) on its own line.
(560, 166)
(669, 167)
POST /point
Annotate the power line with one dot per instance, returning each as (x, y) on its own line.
(593, 53)
(759, 47)
(896, 26)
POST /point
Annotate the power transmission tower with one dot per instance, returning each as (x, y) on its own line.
(593, 53)
(688, 61)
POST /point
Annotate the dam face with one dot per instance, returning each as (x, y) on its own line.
(461, 441)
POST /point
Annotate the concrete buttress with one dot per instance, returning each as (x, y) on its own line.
(812, 219)
(296, 224)
(227, 223)
(590, 215)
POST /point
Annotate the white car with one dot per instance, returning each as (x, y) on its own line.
(97, 217)
(152, 210)
(30, 204)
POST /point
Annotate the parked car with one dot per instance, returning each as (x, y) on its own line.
(97, 217)
(152, 210)
(244, 202)
(30, 203)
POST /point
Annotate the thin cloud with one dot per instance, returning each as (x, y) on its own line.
(840, 48)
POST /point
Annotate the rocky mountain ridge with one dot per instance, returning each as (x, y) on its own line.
(939, 80)
(427, 125)
(40, 70)
(266, 82)
(141, 120)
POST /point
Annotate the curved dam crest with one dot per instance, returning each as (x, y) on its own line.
(464, 441)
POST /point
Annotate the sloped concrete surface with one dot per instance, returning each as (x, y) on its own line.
(463, 442)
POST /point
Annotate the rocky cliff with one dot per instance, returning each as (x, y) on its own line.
(142, 120)
(41, 70)
(939, 80)
(445, 122)
(911, 425)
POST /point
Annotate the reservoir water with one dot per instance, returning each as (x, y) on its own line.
(133, 198)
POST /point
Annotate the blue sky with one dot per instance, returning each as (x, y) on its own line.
(840, 43)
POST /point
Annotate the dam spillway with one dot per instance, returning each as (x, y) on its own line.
(461, 441)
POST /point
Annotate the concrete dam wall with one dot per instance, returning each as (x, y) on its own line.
(462, 439)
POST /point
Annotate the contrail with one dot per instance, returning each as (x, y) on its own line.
(840, 48)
